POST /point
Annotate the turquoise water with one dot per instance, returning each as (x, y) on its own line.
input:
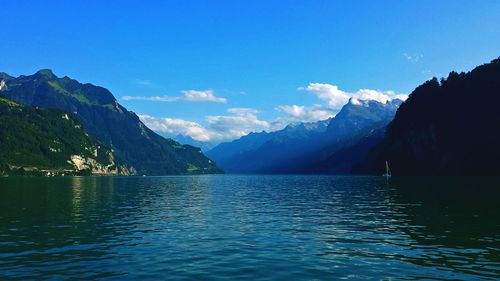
(249, 228)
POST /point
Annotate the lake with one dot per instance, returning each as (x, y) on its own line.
(249, 228)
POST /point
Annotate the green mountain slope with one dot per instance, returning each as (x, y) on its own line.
(108, 122)
(47, 141)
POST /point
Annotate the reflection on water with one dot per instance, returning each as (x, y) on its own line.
(249, 227)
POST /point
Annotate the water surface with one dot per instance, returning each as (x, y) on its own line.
(249, 227)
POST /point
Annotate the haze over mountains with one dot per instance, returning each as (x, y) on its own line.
(300, 148)
(134, 145)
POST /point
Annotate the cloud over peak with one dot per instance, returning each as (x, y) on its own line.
(305, 113)
(335, 98)
(327, 92)
(187, 95)
(376, 95)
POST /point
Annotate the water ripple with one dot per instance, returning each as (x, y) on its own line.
(249, 227)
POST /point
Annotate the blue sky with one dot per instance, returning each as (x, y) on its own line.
(218, 69)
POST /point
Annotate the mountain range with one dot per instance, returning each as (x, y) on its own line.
(307, 147)
(133, 144)
(446, 127)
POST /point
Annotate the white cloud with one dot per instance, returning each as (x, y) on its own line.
(243, 111)
(327, 92)
(380, 96)
(413, 58)
(402, 97)
(187, 95)
(207, 95)
(336, 98)
(152, 98)
(306, 114)
(173, 127)
(240, 122)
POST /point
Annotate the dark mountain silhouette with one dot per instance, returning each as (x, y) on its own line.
(447, 127)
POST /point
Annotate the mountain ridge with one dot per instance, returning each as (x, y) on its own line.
(299, 148)
(108, 122)
(440, 131)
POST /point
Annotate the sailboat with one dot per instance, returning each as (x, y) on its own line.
(387, 170)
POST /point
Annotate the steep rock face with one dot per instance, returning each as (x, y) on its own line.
(306, 147)
(49, 142)
(358, 127)
(358, 115)
(447, 127)
(108, 122)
